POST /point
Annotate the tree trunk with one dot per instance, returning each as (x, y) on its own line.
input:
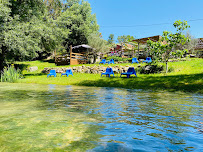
(95, 57)
(166, 66)
(2, 58)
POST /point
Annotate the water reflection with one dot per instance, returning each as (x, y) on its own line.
(69, 118)
(156, 120)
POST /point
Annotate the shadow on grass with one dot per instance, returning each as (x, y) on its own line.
(49, 61)
(21, 66)
(186, 83)
(34, 74)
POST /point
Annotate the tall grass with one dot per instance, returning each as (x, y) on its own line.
(10, 74)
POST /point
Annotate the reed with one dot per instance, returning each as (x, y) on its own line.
(10, 74)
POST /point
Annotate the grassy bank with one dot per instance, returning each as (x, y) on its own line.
(187, 76)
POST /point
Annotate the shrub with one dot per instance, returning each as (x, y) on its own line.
(151, 69)
(10, 74)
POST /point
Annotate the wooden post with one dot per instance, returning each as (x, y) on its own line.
(70, 54)
(138, 46)
(133, 52)
(128, 53)
(55, 55)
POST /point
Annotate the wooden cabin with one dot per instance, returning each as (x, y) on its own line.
(76, 55)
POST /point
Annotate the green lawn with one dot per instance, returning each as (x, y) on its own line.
(187, 76)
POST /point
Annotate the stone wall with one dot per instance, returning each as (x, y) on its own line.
(87, 69)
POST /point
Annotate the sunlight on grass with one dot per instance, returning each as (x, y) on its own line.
(186, 76)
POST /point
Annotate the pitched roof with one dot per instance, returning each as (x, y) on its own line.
(144, 40)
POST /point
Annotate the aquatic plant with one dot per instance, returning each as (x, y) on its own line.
(10, 74)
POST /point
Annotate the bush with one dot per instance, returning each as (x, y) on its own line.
(151, 69)
(10, 74)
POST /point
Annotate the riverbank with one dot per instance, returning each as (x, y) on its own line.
(187, 76)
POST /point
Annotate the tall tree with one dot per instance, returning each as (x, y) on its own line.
(22, 37)
(54, 8)
(25, 9)
(190, 45)
(125, 39)
(68, 3)
(167, 47)
(98, 44)
(111, 39)
(80, 21)
(4, 17)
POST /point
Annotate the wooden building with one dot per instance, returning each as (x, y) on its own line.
(124, 50)
(144, 40)
(76, 55)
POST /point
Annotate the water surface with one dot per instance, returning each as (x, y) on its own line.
(70, 118)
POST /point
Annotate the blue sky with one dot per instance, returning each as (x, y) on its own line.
(114, 13)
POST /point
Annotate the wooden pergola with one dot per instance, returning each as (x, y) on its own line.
(144, 40)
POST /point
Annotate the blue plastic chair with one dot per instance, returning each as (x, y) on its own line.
(68, 72)
(108, 72)
(52, 72)
(134, 60)
(130, 71)
(148, 60)
(103, 61)
(111, 61)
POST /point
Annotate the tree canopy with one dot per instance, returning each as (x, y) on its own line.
(29, 27)
(111, 39)
(97, 43)
(125, 39)
(81, 23)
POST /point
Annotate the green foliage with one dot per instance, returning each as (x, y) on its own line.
(54, 8)
(31, 28)
(80, 21)
(26, 9)
(190, 45)
(149, 69)
(166, 48)
(125, 39)
(10, 74)
(99, 44)
(68, 3)
(180, 26)
(111, 39)
(24, 37)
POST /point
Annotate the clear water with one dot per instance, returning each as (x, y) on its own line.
(70, 118)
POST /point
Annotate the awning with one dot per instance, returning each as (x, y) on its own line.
(83, 45)
(144, 40)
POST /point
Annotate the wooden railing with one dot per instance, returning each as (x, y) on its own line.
(62, 60)
(71, 59)
(77, 58)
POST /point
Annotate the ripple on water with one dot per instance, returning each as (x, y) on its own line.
(70, 118)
